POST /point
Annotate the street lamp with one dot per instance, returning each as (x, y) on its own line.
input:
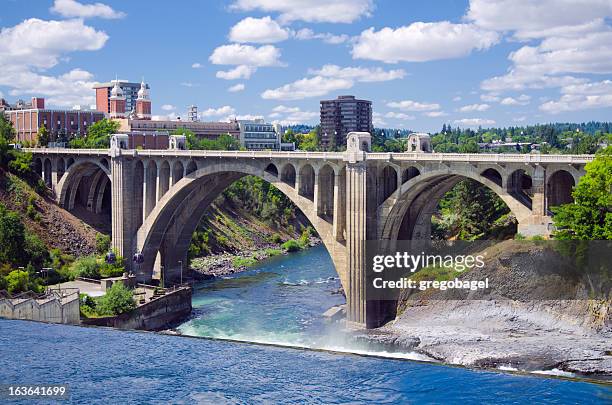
(181, 264)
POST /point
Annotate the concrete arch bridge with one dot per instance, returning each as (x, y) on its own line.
(157, 196)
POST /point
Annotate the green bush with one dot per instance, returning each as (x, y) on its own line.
(85, 267)
(117, 300)
(19, 281)
(291, 245)
(276, 238)
(103, 243)
(112, 270)
(273, 252)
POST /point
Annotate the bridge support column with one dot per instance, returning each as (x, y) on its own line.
(538, 223)
(339, 221)
(123, 234)
(361, 203)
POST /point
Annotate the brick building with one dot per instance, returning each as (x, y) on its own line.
(129, 90)
(27, 118)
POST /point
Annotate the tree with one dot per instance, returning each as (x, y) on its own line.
(43, 136)
(12, 237)
(590, 216)
(98, 135)
(117, 300)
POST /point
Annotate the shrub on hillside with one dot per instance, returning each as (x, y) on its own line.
(291, 245)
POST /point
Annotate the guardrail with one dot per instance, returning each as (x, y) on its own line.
(404, 156)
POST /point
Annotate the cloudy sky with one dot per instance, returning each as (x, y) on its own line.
(468, 63)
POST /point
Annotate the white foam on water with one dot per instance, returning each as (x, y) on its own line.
(554, 371)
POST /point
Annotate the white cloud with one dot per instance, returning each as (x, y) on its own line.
(603, 87)
(217, 112)
(377, 120)
(329, 38)
(410, 105)
(474, 107)
(284, 109)
(474, 122)
(168, 117)
(246, 117)
(330, 78)
(239, 72)
(247, 58)
(40, 43)
(457, 98)
(581, 97)
(258, 30)
(292, 115)
(307, 87)
(34, 45)
(490, 98)
(359, 73)
(168, 107)
(236, 87)
(237, 54)
(337, 11)
(517, 80)
(189, 84)
(72, 8)
(196, 65)
(574, 38)
(571, 102)
(523, 99)
(399, 116)
(537, 19)
(519, 119)
(421, 42)
(435, 114)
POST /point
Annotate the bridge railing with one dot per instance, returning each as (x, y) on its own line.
(481, 157)
(404, 156)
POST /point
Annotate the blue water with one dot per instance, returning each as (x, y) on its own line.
(104, 366)
(280, 301)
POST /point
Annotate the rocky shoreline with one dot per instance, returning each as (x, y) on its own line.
(224, 264)
(529, 336)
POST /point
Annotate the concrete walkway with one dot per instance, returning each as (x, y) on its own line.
(91, 289)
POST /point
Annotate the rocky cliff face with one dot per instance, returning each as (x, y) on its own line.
(56, 227)
(511, 326)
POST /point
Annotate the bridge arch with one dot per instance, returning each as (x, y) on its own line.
(409, 216)
(288, 174)
(410, 173)
(559, 188)
(169, 227)
(69, 182)
(307, 177)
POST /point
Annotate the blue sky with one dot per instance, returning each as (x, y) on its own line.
(467, 63)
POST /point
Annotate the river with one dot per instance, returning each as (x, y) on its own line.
(280, 301)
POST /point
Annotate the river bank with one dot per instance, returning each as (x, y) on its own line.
(226, 263)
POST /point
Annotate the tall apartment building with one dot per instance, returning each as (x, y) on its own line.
(341, 116)
(129, 90)
(62, 124)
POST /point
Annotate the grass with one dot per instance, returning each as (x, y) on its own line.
(241, 261)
